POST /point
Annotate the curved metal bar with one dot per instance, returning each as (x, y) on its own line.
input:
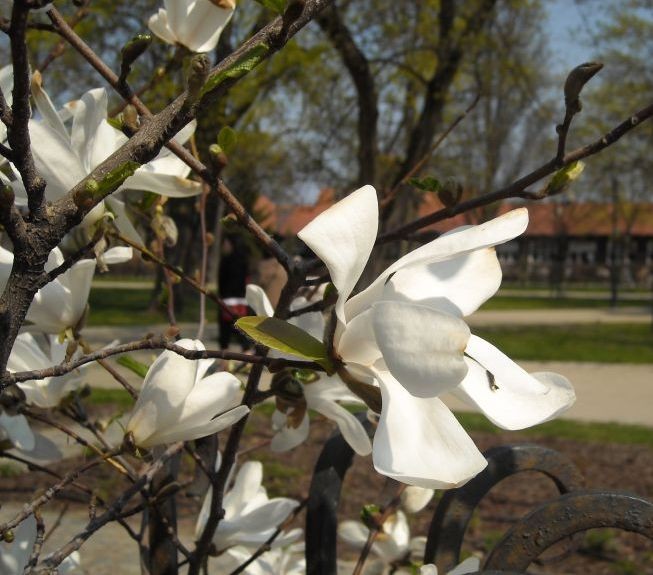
(322, 507)
(570, 514)
(456, 507)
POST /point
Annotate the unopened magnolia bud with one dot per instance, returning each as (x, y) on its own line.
(451, 192)
(84, 198)
(198, 72)
(130, 118)
(575, 82)
(7, 197)
(229, 222)
(134, 48)
(371, 516)
(218, 157)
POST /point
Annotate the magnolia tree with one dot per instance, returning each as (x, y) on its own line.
(392, 345)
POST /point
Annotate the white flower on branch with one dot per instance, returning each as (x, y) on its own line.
(179, 402)
(393, 543)
(469, 565)
(278, 561)
(14, 556)
(250, 518)
(195, 24)
(323, 395)
(27, 355)
(61, 304)
(405, 334)
(87, 143)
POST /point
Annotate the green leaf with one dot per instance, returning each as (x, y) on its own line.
(134, 365)
(285, 337)
(277, 6)
(427, 184)
(227, 139)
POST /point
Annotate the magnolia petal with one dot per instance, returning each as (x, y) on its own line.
(419, 442)
(18, 431)
(177, 12)
(458, 286)
(422, 348)
(469, 565)
(356, 343)
(509, 396)
(267, 516)
(89, 115)
(203, 25)
(429, 569)
(158, 23)
(350, 427)
(52, 150)
(452, 244)
(44, 450)
(343, 237)
(118, 255)
(258, 300)
(245, 487)
(353, 533)
(184, 432)
(286, 437)
(167, 384)
(123, 222)
(45, 106)
(162, 184)
(414, 499)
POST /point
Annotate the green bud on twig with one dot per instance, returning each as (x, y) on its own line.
(450, 193)
(198, 72)
(130, 119)
(575, 83)
(562, 178)
(218, 158)
(131, 51)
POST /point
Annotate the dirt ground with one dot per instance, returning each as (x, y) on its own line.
(605, 466)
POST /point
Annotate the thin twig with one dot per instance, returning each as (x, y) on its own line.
(38, 543)
(518, 188)
(154, 343)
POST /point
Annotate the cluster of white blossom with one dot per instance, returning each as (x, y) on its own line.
(403, 335)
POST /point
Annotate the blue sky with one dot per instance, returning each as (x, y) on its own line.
(568, 25)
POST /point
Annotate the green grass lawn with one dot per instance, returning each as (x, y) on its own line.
(131, 307)
(521, 303)
(608, 343)
(627, 343)
(472, 422)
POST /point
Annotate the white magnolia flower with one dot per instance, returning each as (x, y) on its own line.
(87, 143)
(61, 304)
(277, 561)
(469, 565)
(393, 543)
(14, 556)
(323, 395)
(27, 355)
(16, 432)
(178, 403)
(17, 436)
(405, 333)
(195, 24)
(250, 518)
